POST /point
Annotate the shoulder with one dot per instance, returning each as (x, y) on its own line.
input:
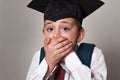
(37, 53)
(36, 56)
(97, 52)
(97, 55)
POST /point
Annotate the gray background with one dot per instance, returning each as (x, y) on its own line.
(20, 36)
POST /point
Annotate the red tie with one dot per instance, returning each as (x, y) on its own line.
(59, 73)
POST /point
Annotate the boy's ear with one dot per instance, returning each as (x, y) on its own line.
(81, 35)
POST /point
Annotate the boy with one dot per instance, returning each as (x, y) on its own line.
(61, 57)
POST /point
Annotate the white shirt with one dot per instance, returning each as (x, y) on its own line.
(74, 68)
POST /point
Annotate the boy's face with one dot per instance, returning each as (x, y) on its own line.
(67, 28)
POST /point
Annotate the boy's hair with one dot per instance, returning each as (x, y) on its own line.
(78, 25)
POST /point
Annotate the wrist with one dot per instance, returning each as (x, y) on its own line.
(50, 64)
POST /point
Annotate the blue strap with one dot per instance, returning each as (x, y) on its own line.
(42, 54)
(84, 53)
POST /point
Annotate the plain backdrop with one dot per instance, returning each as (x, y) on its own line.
(21, 36)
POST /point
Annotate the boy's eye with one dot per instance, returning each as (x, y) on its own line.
(49, 29)
(66, 29)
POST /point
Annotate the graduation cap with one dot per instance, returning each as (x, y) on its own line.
(60, 9)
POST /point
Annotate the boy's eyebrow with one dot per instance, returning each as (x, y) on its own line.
(47, 23)
(66, 22)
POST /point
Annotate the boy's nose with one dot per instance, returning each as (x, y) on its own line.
(56, 34)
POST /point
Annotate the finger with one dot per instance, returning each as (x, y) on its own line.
(47, 41)
(58, 40)
(62, 44)
(64, 49)
(65, 53)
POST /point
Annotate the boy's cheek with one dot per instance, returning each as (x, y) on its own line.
(47, 37)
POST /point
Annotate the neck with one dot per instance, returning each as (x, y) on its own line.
(76, 48)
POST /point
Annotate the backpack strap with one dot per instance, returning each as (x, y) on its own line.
(84, 53)
(42, 54)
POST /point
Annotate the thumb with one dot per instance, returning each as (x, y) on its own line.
(47, 41)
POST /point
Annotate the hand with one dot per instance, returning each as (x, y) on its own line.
(56, 49)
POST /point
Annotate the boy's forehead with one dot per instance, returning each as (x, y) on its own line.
(65, 20)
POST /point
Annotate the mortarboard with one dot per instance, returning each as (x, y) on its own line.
(60, 9)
